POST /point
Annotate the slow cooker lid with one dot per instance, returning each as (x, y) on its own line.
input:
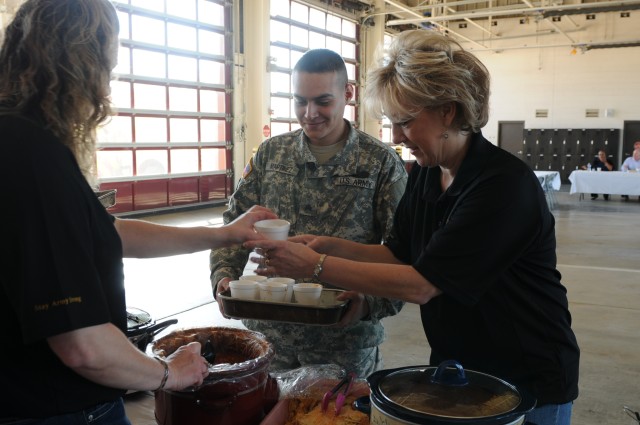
(481, 396)
(137, 318)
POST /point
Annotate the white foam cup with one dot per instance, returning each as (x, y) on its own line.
(272, 291)
(307, 293)
(276, 229)
(289, 282)
(244, 289)
(253, 277)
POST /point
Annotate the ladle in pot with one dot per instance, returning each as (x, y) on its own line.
(208, 352)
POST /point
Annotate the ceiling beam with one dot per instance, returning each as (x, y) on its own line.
(583, 47)
(544, 10)
(550, 22)
(441, 27)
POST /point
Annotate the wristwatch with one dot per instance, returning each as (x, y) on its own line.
(318, 269)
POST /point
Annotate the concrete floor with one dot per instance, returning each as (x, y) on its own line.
(598, 256)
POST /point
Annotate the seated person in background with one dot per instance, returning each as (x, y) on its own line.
(632, 164)
(326, 178)
(601, 163)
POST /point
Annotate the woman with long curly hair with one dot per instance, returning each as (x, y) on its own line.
(61, 84)
(65, 357)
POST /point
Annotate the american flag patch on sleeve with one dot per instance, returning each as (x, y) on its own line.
(248, 169)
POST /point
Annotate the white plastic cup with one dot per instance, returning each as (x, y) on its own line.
(307, 293)
(272, 291)
(253, 277)
(244, 289)
(289, 282)
(276, 229)
(599, 169)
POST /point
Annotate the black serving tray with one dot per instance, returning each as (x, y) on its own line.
(328, 311)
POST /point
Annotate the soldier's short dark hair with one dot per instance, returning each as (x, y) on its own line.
(319, 61)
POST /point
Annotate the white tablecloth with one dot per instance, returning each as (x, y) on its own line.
(549, 179)
(608, 182)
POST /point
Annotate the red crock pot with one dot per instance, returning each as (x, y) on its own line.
(238, 390)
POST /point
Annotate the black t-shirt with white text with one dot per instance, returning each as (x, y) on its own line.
(61, 270)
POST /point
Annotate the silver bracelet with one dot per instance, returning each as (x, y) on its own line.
(166, 373)
(318, 269)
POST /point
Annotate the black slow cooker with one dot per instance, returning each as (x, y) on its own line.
(446, 394)
(141, 328)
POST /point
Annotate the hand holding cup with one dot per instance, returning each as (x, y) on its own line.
(274, 229)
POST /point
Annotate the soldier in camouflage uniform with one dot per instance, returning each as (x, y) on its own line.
(326, 179)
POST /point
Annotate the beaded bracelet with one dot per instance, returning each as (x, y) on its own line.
(166, 373)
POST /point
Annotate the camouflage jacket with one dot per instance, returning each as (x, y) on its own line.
(353, 196)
